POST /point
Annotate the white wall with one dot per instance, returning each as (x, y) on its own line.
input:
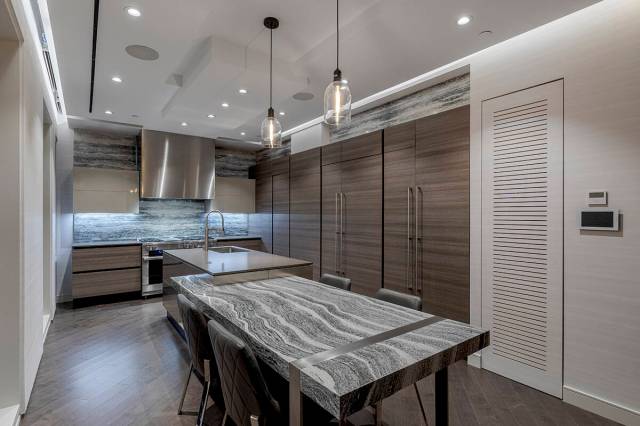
(10, 209)
(24, 90)
(597, 52)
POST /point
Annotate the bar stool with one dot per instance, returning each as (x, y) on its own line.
(336, 281)
(411, 302)
(203, 363)
(247, 399)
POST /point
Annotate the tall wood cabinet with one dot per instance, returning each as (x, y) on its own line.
(280, 194)
(261, 222)
(352, 211)
(305, 211)
(426, 211)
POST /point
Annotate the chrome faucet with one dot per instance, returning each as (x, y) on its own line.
(206, 229)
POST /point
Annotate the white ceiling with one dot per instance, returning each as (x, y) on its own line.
(219, 46)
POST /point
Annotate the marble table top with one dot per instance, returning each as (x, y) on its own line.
(287, 319)
(247, 260)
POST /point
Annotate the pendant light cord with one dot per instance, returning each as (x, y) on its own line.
(271, 69)
(337, 34)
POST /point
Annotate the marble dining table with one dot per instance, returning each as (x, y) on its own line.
(343, 350)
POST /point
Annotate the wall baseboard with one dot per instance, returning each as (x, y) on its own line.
(602, 407)
(474, 360)
(10, 416)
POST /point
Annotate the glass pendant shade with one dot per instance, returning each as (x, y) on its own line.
(337, 103)
(271, 131)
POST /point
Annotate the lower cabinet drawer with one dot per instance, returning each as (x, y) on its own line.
(90, 284)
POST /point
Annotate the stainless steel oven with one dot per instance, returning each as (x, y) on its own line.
(151, 271)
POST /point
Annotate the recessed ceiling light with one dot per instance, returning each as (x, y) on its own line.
(242, 133)
(132, 11)
(282, 113)
(108, 112)
(211, 116)
(116, 79)
(225, 105)
(464, 20)
(184, 124)
(243, 91)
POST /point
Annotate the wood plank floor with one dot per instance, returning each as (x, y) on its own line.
(123, 364)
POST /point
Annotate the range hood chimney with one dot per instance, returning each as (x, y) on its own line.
(177, 166)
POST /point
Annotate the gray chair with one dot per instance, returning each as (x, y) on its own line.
(203, 364)
(336, 281)
(247, 398)
(411, 302)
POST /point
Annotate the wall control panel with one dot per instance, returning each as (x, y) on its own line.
(599, 219)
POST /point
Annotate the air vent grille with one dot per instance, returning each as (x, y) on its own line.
(520, 231)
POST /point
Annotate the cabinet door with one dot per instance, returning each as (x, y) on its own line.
(442, 193)
(281, 214)
(260, 223)
(362, 217)
(331, 187)
(399, 247)
(304, 218)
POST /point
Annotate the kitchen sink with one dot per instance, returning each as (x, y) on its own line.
(228, 249)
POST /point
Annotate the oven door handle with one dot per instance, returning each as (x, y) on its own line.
(148, 258)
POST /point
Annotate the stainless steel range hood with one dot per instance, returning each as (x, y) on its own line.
(177, 166)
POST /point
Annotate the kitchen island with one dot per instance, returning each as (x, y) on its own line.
(224, 265)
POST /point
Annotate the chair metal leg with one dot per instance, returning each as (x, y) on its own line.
(224, 419)
(184, 391)
(203, 403)
(424, 414)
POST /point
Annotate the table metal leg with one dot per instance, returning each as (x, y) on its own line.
(295, 397)
(442, 398)
(378, 409)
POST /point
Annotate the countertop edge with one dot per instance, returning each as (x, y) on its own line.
(219, 274)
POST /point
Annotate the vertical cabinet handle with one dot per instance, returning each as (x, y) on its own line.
(409, 251)
(418, 239)
(335, 239)
(343, 201)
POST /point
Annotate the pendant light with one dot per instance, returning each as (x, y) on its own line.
(337, 96)
(271, 130)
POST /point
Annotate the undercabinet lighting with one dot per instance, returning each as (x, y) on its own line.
(184, 124)
(243, 91)
(225, 105)
(464, 20)
(116, 79)
(108, 112)
(132, 11)
(211, 116)
(282, 113)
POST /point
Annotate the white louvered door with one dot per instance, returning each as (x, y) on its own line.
(522, 235)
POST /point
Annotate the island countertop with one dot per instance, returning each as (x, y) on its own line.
(215, 263)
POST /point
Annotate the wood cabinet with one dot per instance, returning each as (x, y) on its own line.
(103, 270)
(305, 211)
(280, 194)
(261, 222)
(399, 183)
(442, 182)
(426, 211)
(352, 212)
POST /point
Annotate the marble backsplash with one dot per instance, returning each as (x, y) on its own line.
(158, 219)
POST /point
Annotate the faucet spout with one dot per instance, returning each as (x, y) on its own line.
(207, 229)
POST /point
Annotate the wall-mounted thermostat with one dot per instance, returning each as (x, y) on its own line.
(599, 219)
(597, 198)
